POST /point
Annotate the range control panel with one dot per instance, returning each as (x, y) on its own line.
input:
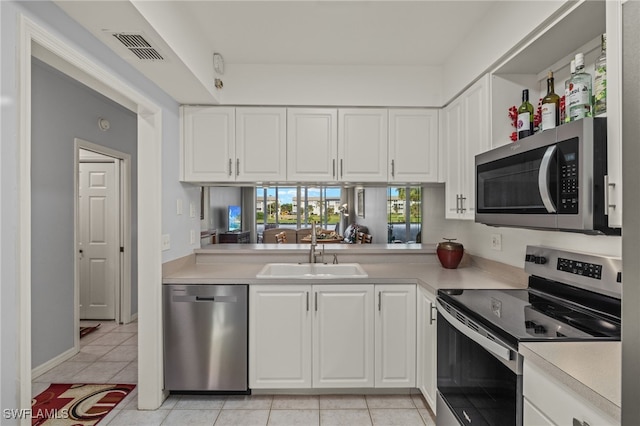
(586, 269)
(594, 272)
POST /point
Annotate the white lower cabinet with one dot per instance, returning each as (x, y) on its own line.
(280, 336)
(547, 401)
(343, 336)
(331, 336)
(426, 374)
(395, 336)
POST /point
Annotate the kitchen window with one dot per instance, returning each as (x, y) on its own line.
(296, 207)
(404, 212)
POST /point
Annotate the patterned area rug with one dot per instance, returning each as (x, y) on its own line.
(86, 330)
(76, 404)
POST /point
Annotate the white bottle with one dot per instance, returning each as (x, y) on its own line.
(580, 92)
(565, 116)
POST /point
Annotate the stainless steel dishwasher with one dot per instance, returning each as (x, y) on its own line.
(206, 337)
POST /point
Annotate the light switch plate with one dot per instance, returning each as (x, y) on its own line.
(496, 242)
(166, 242)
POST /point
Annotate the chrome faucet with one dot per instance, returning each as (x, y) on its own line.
(313, 256)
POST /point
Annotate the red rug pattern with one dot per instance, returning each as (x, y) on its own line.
(76, 404)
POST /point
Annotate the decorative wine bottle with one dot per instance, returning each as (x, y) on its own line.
(550, 106)
(600, 81)
(525, 116)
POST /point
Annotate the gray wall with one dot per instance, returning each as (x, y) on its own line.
(64, 109)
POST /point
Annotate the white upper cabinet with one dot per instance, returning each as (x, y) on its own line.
(464, 133)
(224, 144)
(362, 144)
(261, 144)
(413, 145)
(208, 143)
(312, 144)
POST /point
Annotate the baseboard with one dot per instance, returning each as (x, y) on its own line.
(53, 362)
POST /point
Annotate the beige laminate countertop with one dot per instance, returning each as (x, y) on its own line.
(592, 369)
(431, 276)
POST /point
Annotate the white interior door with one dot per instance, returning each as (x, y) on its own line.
(98, 239)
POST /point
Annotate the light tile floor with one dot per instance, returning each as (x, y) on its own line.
(109, 355)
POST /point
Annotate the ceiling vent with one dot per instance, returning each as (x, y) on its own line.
(139, 46)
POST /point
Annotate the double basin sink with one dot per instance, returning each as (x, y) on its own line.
(312, 271)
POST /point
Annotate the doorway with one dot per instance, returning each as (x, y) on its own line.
(103, 223)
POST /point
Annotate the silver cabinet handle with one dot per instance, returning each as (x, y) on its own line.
(432, 307)
(333, 174)
(316, 300)
(307, 301)
(462, 208)
(379, 300)
(230, 165)
(577, 422)
(341, 169)
(393, 168)
(237, 166)
(458, 203)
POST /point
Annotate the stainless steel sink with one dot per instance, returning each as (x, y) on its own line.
(312, 271)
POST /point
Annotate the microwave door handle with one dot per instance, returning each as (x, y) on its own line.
(543, 179)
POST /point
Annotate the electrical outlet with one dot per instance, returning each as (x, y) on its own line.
(496, 242)
(166, 242)
(179, 206)
(193, 237)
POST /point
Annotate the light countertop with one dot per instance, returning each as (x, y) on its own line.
(430, 276)
(592, 369)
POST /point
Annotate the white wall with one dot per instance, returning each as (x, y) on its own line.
(505, 25)
(476, 239)
(331, 85)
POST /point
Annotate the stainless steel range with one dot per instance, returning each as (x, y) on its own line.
(571, 297)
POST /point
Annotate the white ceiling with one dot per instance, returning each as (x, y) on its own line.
(335, 32)
(295, 32)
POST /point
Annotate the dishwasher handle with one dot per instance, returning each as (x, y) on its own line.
(219, 299)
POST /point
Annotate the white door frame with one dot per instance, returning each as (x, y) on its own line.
(123, 176)
(150, 375)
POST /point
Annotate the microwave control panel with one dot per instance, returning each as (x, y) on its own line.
(568, 182)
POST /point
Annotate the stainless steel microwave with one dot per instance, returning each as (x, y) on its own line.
(553, 180)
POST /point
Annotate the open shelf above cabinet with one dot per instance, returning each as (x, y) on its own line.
(578, 29)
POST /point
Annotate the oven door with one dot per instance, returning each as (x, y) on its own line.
(479, 376)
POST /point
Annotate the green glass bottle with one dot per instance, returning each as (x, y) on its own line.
(525, 116)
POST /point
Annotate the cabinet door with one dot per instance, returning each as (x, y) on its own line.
(465, 134)
(208, 143)
(413, 145)
(451, 144)
(427, 341)
(532, 416)
(558, 402)
(395, 337)
(261, 143)
(476, 140)
(312, 144)
(280, 336)
(343, 336)
(362, 144)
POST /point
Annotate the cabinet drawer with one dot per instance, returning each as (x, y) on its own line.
(556, 401)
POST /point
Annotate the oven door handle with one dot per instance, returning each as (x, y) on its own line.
(543, 179)
(490, 345)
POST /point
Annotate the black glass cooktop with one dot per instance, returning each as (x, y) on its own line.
(532, 315)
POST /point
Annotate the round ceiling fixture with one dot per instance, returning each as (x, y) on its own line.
(103, 124)
(218, 63)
